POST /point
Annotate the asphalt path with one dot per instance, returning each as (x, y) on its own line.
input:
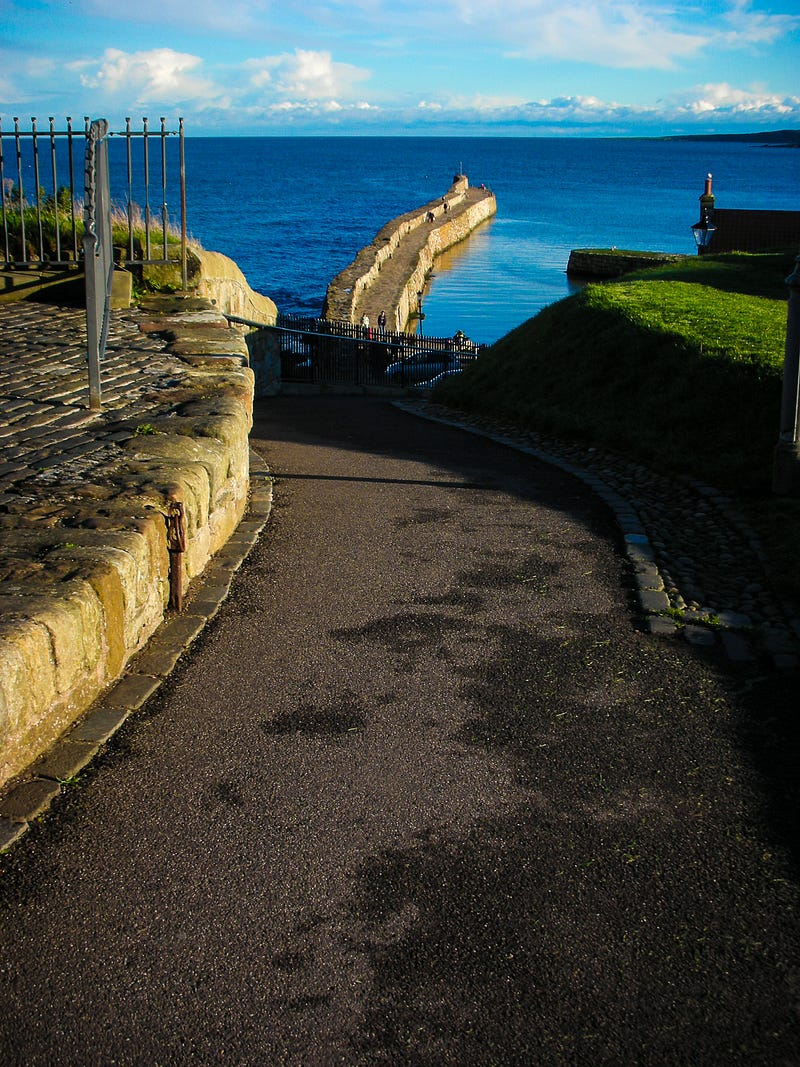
(422, 793)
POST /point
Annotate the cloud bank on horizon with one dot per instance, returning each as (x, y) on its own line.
(593, 67)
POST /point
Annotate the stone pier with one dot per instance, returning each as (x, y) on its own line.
(388, 274)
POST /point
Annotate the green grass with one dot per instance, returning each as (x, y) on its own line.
(678, 367)
(58, 217)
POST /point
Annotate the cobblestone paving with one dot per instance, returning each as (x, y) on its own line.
(688, 545)
(48, 435)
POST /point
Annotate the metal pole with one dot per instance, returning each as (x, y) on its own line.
(786, 472)
(35, 135)
(96, 254)
(130, 185)
(164, 219)
(146, 190)
(184, 269)
(23, 255)
(72, 189)
(55, 187)
(3, 197)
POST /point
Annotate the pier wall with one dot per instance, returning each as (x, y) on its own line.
(455, 223)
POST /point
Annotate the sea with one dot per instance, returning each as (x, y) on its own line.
(293, 211)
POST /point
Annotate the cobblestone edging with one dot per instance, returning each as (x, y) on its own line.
(698, 568)
(31, 797)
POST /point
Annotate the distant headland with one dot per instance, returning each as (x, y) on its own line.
(770, 138)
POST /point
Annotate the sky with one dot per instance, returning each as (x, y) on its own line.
(424, 67)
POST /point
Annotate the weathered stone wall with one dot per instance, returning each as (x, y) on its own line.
(78, 600)
(221, 281)
(216, 278)
(456, 229)
(611, 263)
(348, 286)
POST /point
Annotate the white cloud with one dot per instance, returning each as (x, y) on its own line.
(747, 27)
(160, 75)
(632, 34)
(603, 32)
(725, 100)
(305, 74)
(712, 106)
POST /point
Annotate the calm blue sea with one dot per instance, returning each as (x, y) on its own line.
(293, 212)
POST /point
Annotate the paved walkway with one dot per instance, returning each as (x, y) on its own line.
(422, 793)
(700, 570)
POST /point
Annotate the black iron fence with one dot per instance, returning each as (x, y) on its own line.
(340, 353)
(42, 202)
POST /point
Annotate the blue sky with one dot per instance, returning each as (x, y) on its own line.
(541, 67)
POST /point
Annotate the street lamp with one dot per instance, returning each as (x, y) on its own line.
(704, 229)
(420, 314)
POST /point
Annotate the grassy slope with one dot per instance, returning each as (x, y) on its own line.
(678, 367)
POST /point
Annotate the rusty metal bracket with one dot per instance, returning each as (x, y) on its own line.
(175, 519)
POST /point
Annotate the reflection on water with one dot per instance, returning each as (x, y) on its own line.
(494, 280)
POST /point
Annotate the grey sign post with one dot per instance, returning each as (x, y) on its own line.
(98, 254)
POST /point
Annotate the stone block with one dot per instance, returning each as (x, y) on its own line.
(121, 289)
(64, 760)
(29, 799)
(99, 724)
(698, 635)
(653, 601)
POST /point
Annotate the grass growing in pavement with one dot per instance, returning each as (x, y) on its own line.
(678, 367)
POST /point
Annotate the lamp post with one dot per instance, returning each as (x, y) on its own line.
(420, 314)
(704, 229)
(786, 470)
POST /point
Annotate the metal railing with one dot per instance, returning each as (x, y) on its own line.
(44, 231)
(41, 202)
(337, 353)
(52, 212)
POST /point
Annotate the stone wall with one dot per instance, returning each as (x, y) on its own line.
(612, 263)
(79, 600)
(221, 281)
(216, 278)
(456, 229)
